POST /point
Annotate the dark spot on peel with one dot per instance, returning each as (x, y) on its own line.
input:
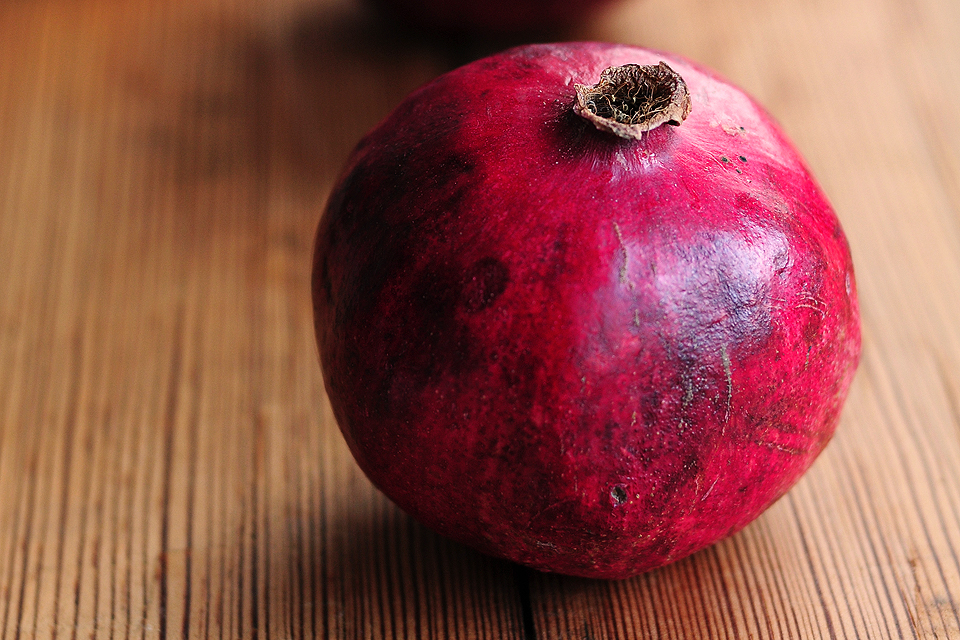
(458, 170)
(650, 407)
(362, 287)
(811, 329)
(433, 302)
(558, 262)
(447, 178)
(433, 346)
(483, 283)
(618, 494)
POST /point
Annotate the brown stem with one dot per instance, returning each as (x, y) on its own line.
(633, 99)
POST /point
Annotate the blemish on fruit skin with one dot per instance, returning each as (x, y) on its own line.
(483, 283)
(708, 491)
(732, 130)
(618, 494)
(729, 376)
(688, 395)
(625, 265)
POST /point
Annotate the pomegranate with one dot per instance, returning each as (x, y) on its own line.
(584, 307)
(492, 16)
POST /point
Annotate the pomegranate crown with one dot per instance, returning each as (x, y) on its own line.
(632, 99)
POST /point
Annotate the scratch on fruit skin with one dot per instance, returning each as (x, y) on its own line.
(729, 376)
(626, 256)
(704, 496)
(794, 451)
(810, 306)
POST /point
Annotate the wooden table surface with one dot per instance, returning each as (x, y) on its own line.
(169, 466)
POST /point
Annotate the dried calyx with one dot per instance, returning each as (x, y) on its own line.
(633, 99)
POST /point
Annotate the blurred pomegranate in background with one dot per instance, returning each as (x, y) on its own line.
(490, 16)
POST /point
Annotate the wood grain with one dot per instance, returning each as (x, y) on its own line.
(169, 466)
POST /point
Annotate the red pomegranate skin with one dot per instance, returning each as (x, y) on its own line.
(491, 16)
(585, 354)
